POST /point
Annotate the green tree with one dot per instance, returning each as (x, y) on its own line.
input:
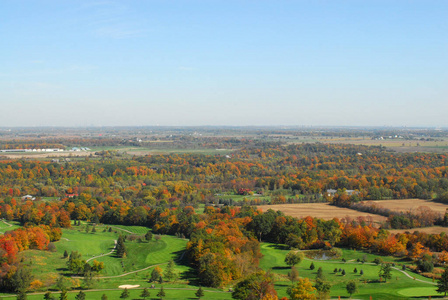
(199, 293)
(21, 279)
(293, 258)
(21, 295)
(156, 274)
(320, 274)
(65, 254)
(351, 288)
(161, 293)
(88, 280)
(145, 293)
(262, 223)
(385, 272)
(63, 295)
(312, 266)
(148, 236)
(121, 248)
(48, 296)
(322, 288)
(169, 271)
(104, 297)
(75, 263)
(255, 286)
(80, 296)
(124, 294)
(442, 283)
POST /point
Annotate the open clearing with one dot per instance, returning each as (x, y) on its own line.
(409, 204)
(320, 210)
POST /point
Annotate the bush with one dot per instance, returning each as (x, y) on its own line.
(377, 261)
(425, 266)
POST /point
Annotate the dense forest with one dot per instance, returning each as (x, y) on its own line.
(163, 191)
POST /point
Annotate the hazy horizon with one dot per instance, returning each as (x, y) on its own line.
(224, 63)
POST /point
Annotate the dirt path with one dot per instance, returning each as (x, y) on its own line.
(122, 229)
(10, 225)
(132, 272)
(105, 254)
(128, 273)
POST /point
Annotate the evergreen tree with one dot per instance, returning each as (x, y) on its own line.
(80, 296)
(63, 295)
(21, 295)
(355, 270)
(343, 272)
(169, 271)
(121, 248)
(161, 293)
(320, 274)
(312, 266)
(145, 293)
(104, 297)
(48, 296)
(65, 254)
(148, 236)
(442, 283)
(199, 293)
(156, 275)
(21, 279)
(124, 294)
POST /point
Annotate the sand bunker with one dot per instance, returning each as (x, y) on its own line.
(128, 286)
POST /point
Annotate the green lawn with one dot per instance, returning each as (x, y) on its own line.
(368, 285)
(8, 225)
(46, 266)
(172, 293)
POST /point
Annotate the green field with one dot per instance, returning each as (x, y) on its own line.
(143, 256)
(8, 225)
(134, 269)
(368, 284)
(172, 293)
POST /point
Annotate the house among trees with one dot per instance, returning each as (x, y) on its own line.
(28, 197)
(332, 192)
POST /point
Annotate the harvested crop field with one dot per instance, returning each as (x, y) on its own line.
(409, 204)
(429, 230)
(321, 210)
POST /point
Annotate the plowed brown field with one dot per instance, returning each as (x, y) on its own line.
(320, 210)
(409, 204)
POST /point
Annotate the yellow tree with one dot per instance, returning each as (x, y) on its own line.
(302, 290)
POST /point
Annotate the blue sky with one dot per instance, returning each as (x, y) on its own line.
(78, 63)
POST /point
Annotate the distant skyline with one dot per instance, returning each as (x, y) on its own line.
(234, 63)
